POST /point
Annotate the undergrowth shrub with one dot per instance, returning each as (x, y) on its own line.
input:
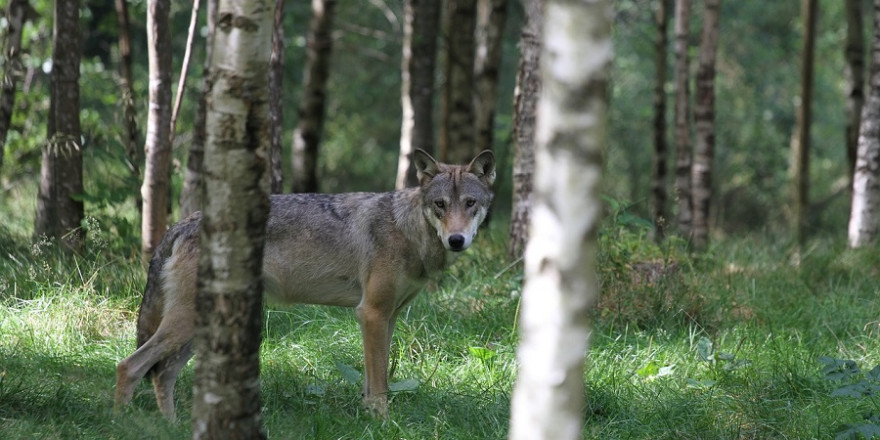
(35, 268)
(859, 387)
(644, 284)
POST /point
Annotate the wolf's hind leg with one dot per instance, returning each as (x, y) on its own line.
(160, 347)
(165, 376)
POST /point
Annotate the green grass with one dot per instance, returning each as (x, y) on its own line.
(723, 345)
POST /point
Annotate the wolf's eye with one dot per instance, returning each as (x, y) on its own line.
(470, 203)
(440, 204)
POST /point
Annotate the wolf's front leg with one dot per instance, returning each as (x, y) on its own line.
(376, 328)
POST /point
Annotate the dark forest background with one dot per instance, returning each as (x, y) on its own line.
(757, 89)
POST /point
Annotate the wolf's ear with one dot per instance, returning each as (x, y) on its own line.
(426, 166)
(484, 167)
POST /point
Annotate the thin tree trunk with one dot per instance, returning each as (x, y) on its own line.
(181, 81)
(421, 24)
(443, 134)
(130, 140)
(865, 213)
(191, 194)
(59, 206)
(276, 100)
(525, 102)
(800, 142)
(158, 149)
(491, 17)
(704, 125)
(855, 76)
(682, 117)
(307, 135)
(661, 217)
(12, 67)
(561, 283)
(226, 386)
(459, 120)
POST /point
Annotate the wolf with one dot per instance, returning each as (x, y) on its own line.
(370, 251)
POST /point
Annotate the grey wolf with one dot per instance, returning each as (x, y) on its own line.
(369, 251)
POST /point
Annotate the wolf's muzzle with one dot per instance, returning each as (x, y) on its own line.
(456, 242)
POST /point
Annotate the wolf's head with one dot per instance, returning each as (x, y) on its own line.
(455, 198)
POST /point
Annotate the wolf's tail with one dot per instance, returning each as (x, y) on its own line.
(149, 315)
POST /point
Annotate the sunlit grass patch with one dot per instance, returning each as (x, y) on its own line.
(726, 345)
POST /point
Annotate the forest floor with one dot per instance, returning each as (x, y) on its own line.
(749, 340)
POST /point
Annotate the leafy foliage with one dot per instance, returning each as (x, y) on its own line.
(854, 384)
(756, 92)
(642, 282)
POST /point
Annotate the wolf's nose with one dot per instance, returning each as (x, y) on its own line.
(456, 242)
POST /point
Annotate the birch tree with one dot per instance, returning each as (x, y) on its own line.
(418, 62)
(704, 125)
(155, 188)
(307, 135)
(855, 78)
(560, 258)
(863, 220)
(59, 210)
(226, 388)
(525, 102)
(191, 194)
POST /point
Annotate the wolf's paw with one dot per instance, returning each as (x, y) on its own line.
(377, 406)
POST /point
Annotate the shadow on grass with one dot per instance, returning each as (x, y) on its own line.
(46, 396)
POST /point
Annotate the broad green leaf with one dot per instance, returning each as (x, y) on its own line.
(838, 369)
(725, 356)
(481, 353)
(653, 370)
(874, 374)
(350, 375)
(704, 384)
(666, 371)
(867, 431)
(315, 390)
(736, 364)
(612, 202)
(404, 385)
(650, 369)
(861, 388)
(629, 219)
(705, 349)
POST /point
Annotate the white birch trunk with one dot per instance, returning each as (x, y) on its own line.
(682, 117)
(863, 220)
(561, 283)
(854, 54)
(226, 386)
